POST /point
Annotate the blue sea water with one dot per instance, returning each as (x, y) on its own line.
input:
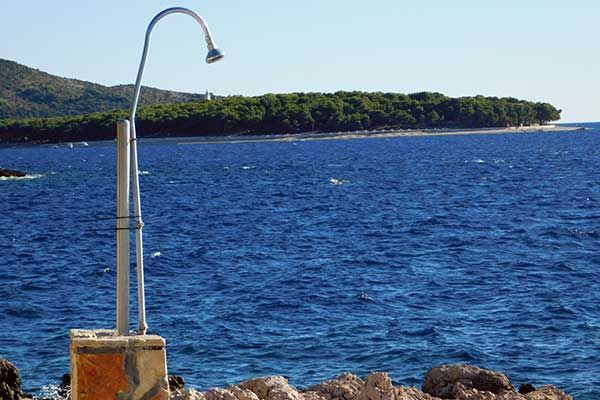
(309, 258)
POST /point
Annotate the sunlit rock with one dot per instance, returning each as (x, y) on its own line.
(272, 388)
(345, 387)
(448, 381)
(548, 392)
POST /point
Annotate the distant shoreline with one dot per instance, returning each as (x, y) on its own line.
(371, 134)
(306, 136)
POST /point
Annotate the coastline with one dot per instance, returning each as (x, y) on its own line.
(378, 134)
(306, 136)
(447, 381)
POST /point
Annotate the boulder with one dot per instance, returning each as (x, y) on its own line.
(466, 382)
(467, 392)
(10, 382)
(231, 393)
(7, 173)
(272, 388)
(548, 392)
(452, 381)
(376, 386)
(242, 394)
(544, 393)
(412, 393)
(186, 394)
(312, 396)
(345, 387)
(379, 386)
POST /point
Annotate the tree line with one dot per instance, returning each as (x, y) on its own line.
(290, 113)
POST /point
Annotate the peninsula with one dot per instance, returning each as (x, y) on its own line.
(36, 107)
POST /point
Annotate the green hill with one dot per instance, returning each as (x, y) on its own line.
(39, 107)
(26, 92)
(289, 113)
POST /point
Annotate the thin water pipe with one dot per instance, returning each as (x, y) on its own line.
(123, 253)
(214, 54)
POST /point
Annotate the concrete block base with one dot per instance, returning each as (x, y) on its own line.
(105, 366)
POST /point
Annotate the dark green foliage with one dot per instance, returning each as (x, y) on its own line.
(26, 92)
(289, 113)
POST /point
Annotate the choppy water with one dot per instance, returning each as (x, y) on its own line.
(310, 258)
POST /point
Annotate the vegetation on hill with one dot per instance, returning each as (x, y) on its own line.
(289, 113)
(28, 92)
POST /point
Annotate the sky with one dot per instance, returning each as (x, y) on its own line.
(539, 50)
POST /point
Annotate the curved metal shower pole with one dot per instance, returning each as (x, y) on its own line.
(213, 55)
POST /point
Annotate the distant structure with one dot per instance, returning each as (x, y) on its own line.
(207, 96)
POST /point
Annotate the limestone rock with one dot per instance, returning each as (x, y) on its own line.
(186, 394)
(7, 173)
(10, 382)
(271, 388)
(377, 386)
(548, 392)
(231, 393)
(457, 382)
(345, 387)
(461, 392)
(443, 381)
(412, 393)
(312, 396)
(219, 394)
(242, 394)
(464, 392)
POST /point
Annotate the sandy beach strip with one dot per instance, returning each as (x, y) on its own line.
(380, 134)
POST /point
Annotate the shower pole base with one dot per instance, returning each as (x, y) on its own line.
(107, 366)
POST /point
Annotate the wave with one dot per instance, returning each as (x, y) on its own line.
(21, 178)
(365, 297)
(337, 182)
(51, 391)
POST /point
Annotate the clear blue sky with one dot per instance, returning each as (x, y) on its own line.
(544, 50)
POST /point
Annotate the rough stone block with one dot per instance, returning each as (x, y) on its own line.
(105, 366)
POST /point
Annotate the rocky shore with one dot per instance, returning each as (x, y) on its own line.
(454, 382)
(8, 173)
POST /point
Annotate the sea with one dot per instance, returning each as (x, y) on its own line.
(309, 258)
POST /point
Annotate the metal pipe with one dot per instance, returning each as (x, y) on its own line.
(213, 55)
(123, 167)
(138, 83)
